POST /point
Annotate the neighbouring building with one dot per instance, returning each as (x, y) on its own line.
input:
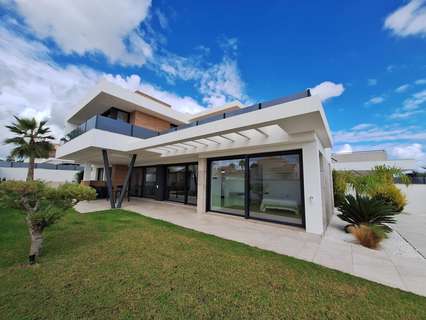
(365, 161)
(268, 161)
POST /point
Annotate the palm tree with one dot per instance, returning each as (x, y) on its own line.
(32, 141)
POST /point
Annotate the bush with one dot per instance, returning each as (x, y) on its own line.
(390, 194)
(366, 210)
(368, 236)
(42, 205)
(341, 180)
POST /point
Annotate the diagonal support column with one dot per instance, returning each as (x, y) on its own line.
(126, 181)
(108, 177)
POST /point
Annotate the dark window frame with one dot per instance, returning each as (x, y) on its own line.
(247, 157)
(186, 165)
(104, 114)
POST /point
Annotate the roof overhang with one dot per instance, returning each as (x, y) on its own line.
(294, 117)
(296, 121)
(106, 95)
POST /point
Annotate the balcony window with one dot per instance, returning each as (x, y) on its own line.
(117, 114)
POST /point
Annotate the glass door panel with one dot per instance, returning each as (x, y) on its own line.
(227, 186)
(136, 179)
(192, 183)
(150, 182)
(176, 183)
(275, 188)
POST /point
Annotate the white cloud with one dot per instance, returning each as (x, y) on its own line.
(346, 148)
(390, 68)
(399, 114)
(412, 151)
(420, 81)
(327, 90)
(162, 19)
(183, 104)
(375, 133)
(375, 100)
(415, 101)
(222, 83)
(217, 83)
(33, 85)
(86, 27)
(408, 20)
(402, 88)
(411, 106)
(372, 82)
(362, 126)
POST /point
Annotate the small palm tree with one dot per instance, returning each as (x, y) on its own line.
(32, 141)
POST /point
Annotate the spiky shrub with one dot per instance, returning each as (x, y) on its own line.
(368, 235)
(392, 195)
(42, 205)
(363, 209)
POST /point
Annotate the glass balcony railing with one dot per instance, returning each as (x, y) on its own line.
(121, 127)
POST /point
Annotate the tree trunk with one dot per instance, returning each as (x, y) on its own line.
(30, 174)
(36, 242)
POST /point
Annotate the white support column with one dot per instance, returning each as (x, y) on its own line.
(312, 187)
(202, 185)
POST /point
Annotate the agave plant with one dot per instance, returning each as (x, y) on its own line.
(362, 209)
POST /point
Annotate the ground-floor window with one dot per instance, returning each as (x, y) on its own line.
(149, 182)
(181, 183)
(143, 182)
(267, 187)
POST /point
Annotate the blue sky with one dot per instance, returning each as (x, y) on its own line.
(366, 59)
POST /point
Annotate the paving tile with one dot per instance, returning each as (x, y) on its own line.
(415, 284)
(377, 269)
(308, 251)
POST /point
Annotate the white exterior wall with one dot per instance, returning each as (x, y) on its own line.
(47, 175)
(202, 185)
(314, 218)
(416, 195)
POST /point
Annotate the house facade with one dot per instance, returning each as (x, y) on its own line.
(269, 161)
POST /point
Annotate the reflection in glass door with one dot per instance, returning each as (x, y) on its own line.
(176, 183)
(135, 189)
(227, 186)
(192, 183)
(150, 182)
(275, 188)
(265, 186)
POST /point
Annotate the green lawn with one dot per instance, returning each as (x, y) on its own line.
(119, 265)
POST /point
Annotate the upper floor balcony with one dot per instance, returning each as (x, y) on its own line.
(121, 127)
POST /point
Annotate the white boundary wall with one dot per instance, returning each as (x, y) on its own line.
(47, 175)
(416, 198)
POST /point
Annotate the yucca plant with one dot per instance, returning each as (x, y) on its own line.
(363, 209)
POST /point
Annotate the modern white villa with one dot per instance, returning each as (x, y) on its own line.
(269, 161)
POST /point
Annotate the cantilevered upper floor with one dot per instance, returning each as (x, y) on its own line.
(113, 118)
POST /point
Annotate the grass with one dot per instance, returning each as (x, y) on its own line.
(120, 265)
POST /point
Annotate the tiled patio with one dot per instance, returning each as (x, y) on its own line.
(397, 264)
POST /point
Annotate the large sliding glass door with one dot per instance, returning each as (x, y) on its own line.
(149, 182)
(275, 188)
(227, 186)
(176, 184)
(192, 184)
(136, 182)
(181, 183)
(266, 187)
